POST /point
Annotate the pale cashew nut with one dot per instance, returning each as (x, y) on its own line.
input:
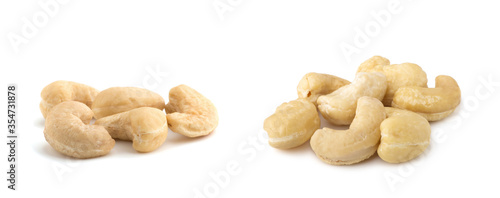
(68, 131)
(120, 99)
(292, 124)
(373, 64)
(339, 107)
(314, 85)
(431, 103)
(359, 142)
(398, 75)
(146, 127)
(189, 113)
(60, 91)
(405, 135)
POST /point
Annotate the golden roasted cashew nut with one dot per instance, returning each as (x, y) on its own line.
(359, 142)
(68, 131)
(292, 124)
(431, 103)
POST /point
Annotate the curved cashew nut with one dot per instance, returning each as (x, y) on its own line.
(398, 75)
(189, 113)
(359, 142)
(60, 91)
(292, 124)
(146, 127)
(431, 103)
(405, 135)
(339, 107)
(314, 85)
(68, 131)
(120, 99)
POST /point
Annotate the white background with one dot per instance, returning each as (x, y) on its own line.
(248, 62)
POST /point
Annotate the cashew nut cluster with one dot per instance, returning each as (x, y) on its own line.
(398, 132)
(189, 113)
(398, 75)
(124, 113)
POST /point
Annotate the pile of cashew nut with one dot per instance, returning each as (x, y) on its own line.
(388, 108)
(124, 113)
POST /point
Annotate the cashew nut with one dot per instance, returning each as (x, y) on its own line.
(359, 142)
(60, 91)
(314, 85)
(292, 124)
(373, 64)
(405, 135)
(432, 103)
(68, 131)
(339, 107)
(120, 99)
(189, 113)
(398, 75)
(146, 127)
